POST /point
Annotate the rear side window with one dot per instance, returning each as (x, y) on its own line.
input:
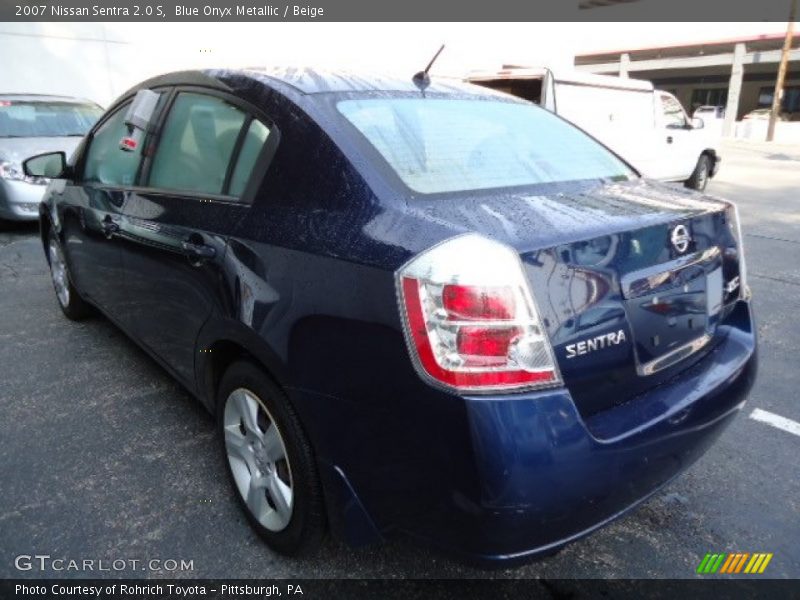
(448, 145)
(197, 144)
(105, 162)
(254, 141)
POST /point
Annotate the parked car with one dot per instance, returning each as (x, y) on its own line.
(647, 127)
(439, 312)
(30, 124)
(709, 112)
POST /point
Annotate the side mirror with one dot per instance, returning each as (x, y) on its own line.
(697, 123)
(52, 165)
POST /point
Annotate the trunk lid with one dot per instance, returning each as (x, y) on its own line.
(630, 278)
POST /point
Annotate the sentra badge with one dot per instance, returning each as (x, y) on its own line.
(596, 343)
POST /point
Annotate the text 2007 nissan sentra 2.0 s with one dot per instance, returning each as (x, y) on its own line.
(434, 311)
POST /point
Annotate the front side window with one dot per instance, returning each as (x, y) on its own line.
(106, 163)
(197, 144)
(448, 145)
(24, 118)
(674, 117)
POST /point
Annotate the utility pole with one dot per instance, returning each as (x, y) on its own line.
(777, 96)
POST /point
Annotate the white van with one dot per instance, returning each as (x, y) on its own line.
(645, 126)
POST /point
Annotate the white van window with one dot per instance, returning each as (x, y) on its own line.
(674, 117)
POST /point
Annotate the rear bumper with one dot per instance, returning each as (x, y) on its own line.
(501, 479)
(19, 200)
(548, 477)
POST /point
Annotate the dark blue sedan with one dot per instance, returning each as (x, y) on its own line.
(425, 310)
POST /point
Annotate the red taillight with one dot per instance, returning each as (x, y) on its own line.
(471, 321)
(478, 302)
(485, 346)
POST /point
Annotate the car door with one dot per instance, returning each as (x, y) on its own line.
(90, 210)
(678, 157)
(178, 222)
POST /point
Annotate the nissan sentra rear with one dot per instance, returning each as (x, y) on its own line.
(415, 308)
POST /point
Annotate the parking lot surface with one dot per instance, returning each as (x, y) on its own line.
(104, 456)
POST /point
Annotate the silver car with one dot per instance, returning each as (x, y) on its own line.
(29, 125)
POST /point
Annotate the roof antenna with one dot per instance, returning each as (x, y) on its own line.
(422, 80)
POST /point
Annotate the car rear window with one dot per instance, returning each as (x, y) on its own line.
(438, 145)
(46, 119)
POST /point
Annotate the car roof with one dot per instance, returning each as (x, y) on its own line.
(44, 98)
(319, 81)
(309, 81)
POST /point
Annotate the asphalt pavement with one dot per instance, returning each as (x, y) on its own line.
(104, 456)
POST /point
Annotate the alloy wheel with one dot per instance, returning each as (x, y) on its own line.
(258, 459)
(58, 272)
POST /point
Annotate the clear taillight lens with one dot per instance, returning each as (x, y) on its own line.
(736, 229)
(470, 319)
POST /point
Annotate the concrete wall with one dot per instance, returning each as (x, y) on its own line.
(756, 129)
(87, 60)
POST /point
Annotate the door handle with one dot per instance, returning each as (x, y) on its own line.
(197, 251)
(109, 226)
(669, 139)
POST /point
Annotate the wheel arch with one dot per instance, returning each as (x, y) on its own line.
(710, 152)
(714, 159)
(45, 225)
(220, 344)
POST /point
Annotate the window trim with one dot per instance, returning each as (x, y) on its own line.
(237, 149)
(262, 162)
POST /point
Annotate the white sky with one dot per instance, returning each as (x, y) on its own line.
(63, 56)
(391, 46)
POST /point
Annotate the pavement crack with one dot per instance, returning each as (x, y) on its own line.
(769, 237)
(12, 270)
(778, 279)
(10, 243)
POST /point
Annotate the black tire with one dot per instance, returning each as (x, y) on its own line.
(307, 525)
(72, 304)
(700, 175)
